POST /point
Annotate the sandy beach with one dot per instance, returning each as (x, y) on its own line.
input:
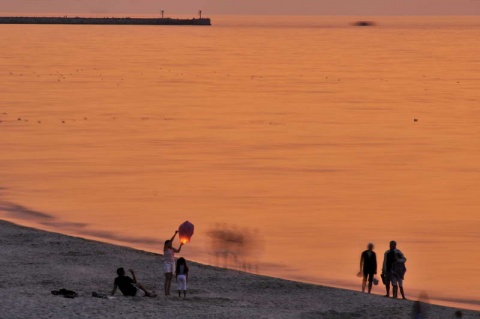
(35, 262)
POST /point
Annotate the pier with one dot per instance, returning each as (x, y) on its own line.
(104, 21)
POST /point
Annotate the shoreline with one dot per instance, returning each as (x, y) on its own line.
(36, 262)
(412, 294)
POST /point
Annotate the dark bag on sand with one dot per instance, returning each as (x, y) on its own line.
(65, 293)
(384, 279)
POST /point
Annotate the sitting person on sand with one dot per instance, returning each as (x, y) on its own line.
(129, 286)
(181, 274)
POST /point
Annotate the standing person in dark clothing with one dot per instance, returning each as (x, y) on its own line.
(398, 273)
(388, 260)
(181, 274)
(129, 286)
(368, 267)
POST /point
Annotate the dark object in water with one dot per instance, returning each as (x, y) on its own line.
(364, 24)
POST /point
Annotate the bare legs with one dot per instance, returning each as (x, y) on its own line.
(168, 283)
(395, 292)
(184, 293)
(147, 293)
(370, 281)
(398, 283)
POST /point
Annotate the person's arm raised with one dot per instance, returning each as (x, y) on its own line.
(174, 235)
(133, 275)
(179, 248)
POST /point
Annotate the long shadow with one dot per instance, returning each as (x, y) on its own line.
(21, 212)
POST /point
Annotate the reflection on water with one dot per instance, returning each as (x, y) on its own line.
(304, 131)
(19, 212)
(236, 248)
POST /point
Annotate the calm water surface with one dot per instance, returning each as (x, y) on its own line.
(300, 130)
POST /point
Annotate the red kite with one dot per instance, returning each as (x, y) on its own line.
(185, 232)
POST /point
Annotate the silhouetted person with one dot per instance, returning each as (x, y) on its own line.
(129, 286)
(388, 260)
(398, 273)
(368, 267)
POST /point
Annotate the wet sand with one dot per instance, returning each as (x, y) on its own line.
(35, 262)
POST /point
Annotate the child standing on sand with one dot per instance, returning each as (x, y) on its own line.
(169, 262)
(181, 274)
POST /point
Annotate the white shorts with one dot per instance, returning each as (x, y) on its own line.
(138, 290)
(182, 282)
(168, 267)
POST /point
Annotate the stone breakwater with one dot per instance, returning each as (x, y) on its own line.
(106, 21)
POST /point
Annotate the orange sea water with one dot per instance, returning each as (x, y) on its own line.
(300, 128)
